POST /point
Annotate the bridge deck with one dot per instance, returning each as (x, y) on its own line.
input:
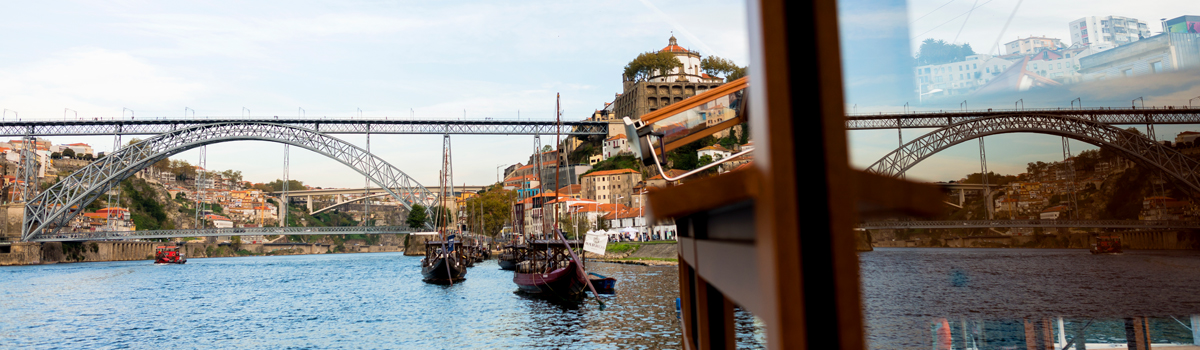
(1126, 116)
(326, 126)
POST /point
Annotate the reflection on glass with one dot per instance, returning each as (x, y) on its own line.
(697, 119)
(1134, 332)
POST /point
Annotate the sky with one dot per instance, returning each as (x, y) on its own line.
(435, 60)
(444, 60)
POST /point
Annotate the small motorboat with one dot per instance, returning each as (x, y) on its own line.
(1107, 245)
(169, 254)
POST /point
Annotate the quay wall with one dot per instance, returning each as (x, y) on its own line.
(34, 253)
(414, 245)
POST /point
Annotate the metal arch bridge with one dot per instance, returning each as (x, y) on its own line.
(324, 126)
(208, 232)
(1109, 116)
(958, 224)
(1134, 146)
(51, 210)
(335, 205)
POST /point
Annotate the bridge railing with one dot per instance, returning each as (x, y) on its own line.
(934, 114)
(147, 234)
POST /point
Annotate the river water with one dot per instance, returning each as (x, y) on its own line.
(323, 301)
(370, 301)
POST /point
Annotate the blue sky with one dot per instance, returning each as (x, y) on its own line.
(389, 58)
(436, 59)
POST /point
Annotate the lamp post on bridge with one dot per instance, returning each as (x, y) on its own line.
(6, 110)
(72, 110)
(1190, 101)
(123, 109)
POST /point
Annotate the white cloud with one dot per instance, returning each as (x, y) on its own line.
(91, 80)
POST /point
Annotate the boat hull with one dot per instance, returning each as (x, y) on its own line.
(444, 271)
(562, 283)
(507, 264)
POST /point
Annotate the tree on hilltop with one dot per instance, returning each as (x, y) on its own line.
(651, 64)
(939, 52)
(717, 66)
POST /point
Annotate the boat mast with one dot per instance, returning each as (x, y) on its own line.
(558, 153)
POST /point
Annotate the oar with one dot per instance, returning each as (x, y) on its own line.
(579, 266)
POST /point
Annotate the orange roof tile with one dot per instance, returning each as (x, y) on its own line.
(615, 137)
(612, 172)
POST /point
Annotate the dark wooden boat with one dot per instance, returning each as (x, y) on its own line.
(443, 265)
(509, 255)
(603, 284)
(548, 270)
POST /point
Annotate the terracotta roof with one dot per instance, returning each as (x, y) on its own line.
(571, 189)
(615, 137)
(714, 148)
(612, 172)
(1055, 209)
(670, 172)
(601, 207)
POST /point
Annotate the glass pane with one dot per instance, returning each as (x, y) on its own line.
(1058, 134)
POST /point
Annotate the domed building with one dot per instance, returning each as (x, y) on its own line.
(641, 97)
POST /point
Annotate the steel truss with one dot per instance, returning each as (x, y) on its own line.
(148, 234)
(904, 224)
(1131, 116)
(51, 210)
(1134, 146)
(325, 126)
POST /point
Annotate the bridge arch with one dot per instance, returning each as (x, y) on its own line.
(352, 200)
(51, 210)
(1133, 146)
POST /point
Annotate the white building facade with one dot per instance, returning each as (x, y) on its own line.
(958, 78)
(1115, 30)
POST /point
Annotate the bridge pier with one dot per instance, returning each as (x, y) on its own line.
(308, 200)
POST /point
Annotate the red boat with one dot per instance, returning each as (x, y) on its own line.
(1107, 245)
(168, 255)
(549, 270)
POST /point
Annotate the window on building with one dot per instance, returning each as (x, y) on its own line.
(1156, 67)
(1127, 72)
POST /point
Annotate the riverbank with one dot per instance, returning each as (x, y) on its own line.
(657, 253)
(1149, 239)
(38, 253)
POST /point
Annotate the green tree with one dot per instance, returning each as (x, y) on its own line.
(939, 52)
(492, 208)
(717, 66)
(417, 217)
(651, 64)
(685, 157)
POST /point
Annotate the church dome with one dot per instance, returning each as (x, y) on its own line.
(673, 46)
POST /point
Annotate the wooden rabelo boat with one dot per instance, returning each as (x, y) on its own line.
(550, 270)
(510, 254)
(444, 262)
